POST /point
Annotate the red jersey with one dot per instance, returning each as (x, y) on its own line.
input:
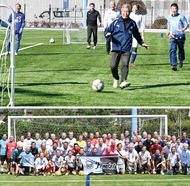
(153, 148)
(56, 141)
(93, 141)
(10, 146)
(75, 151)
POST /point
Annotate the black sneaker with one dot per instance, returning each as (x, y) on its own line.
(174, 68)
(181, 64)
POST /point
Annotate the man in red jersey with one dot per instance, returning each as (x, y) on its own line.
(10, 147)
(154, 147)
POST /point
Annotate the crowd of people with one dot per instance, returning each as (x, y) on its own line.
(143, 154)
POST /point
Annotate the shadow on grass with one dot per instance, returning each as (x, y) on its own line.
(38, 93)
(52, 83)
(158, 86)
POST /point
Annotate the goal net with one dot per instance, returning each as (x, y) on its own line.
(6, 61)
(104, 124)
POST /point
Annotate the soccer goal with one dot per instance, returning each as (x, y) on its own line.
(7, 63)
(104, 124)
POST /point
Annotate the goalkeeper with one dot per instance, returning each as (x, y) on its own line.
(19, 26)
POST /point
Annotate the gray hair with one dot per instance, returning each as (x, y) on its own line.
(125, 5)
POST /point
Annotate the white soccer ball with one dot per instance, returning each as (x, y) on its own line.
(97, 85)
(52, 40)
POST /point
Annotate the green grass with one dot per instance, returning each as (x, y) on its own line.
(61, 75)
(100, 180)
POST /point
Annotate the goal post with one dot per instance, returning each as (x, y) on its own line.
(12, 54)
(20, 125)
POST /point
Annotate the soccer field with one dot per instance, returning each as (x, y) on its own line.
(111, 180)
(62, 75)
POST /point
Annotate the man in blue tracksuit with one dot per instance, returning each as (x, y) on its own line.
(19, 26)
(177, 24)
(122, 30)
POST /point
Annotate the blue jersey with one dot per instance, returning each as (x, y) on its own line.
(185, 157)
(177, 23)
(122, 34)
(19, 21)
(3, 143)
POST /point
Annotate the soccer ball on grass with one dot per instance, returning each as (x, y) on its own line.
(52, 40)
(97, 85)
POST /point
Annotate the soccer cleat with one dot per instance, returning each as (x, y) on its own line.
(132, 65)
(88, 47)
(94, 47)
(181, 64)
(115, 82)
(16, 53)
(124, 84)
(161, 172)
(174, 67)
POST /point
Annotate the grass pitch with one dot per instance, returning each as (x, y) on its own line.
(100, 180)
(61, 75)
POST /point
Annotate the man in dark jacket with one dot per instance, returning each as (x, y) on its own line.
(92, 26)
(122, 30)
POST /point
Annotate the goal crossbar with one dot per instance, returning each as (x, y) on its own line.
(165, 117)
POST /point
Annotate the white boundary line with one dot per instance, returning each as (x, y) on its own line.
(31, 46)
(27, 47)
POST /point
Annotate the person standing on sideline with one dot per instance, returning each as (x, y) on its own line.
(176, 25)
(138, 19)
(110, 15)
(19, 27)
(122, 31)
(92, 26)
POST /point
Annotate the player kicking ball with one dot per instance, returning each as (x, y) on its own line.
(122, 31)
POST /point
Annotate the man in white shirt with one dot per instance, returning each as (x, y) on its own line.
(28, 140)
(138, 19)
(63, 139)
(58, 161)
(40, 164)
(47, 141)
(173, 161)
(132, 159)
(144, 160)
(101, 147)
(110, 15)
(72, 140)
(121, 158)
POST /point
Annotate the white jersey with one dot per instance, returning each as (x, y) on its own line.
(110, 16)
(57, 160)
(132, 155)
(48, 143)
(101, 149)
(138, 19)
(40, 163)
(166, 150)
(64, 152)
(72, 142)
(62, 141)
(172, 158)
(70, 161)
(179, 147)
(120, 161)
(27, 142)
(144, 157)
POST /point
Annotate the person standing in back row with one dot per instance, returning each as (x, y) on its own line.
(110, 15)
(92, 26)
(177, 24)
